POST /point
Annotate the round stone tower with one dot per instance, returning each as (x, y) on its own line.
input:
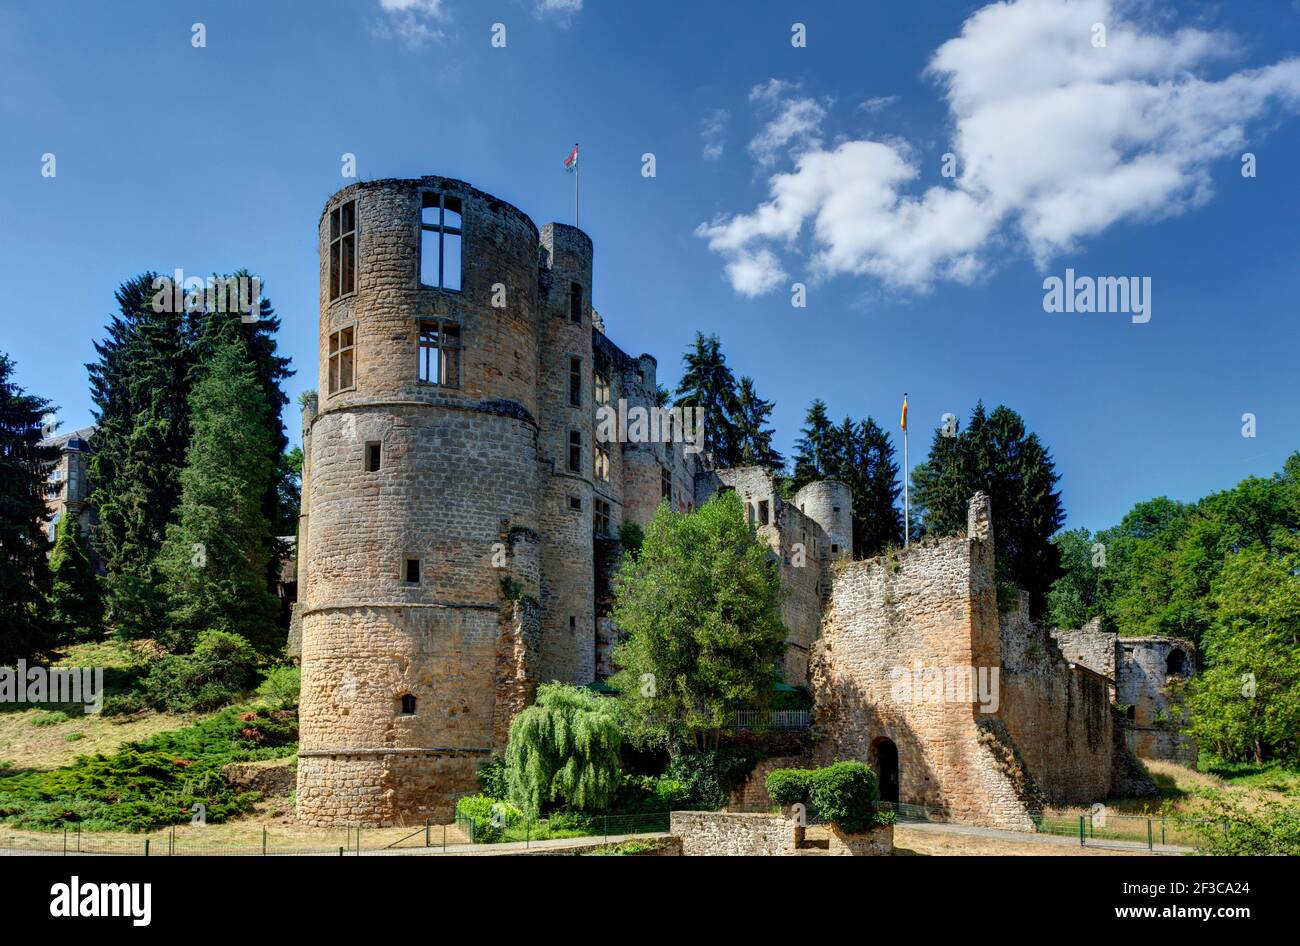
(421, 545)
(830, 504)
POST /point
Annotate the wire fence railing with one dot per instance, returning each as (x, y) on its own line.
(772, 719)
(560, 826)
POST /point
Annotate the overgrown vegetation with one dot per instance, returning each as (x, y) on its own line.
(843, 792)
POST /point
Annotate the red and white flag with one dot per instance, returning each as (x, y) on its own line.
(571, 162)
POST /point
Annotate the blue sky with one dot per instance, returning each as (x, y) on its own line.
(774, 164)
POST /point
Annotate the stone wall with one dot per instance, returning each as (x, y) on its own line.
(1147, 668)
(732, 834)
(751, 795)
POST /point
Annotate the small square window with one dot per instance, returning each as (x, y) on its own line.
(408, 704)
(373, 453)
(412, 571)
(575, 503)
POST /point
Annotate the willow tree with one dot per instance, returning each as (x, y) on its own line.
(564, 748)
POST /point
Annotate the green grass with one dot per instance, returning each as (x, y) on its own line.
(1274, 776)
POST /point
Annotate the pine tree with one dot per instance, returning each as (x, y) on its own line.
(24, 573)
(754, 438)
(707, 383)
(215, 557)
(877, 520)
(75, 605)
(814, 450)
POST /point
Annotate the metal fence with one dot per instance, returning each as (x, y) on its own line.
(1153, 832)
(772, 719)
(529, 830)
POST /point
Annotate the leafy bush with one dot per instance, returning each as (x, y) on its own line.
(564, 748)
(51, 719)
(152, 783)
(492, 777)
(845, 793)
(672, 794)
(789, 786)
(220, 670)
(488, 817)
(124, 704)
(281, 685)
(1233, 829)
(711, 775)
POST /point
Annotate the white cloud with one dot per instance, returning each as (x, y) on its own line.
(713, 131)
(562, 10)
(795, 120)
(1056, 141)
(878, 102)
(414, 22)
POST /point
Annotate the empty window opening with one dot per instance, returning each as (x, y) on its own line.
(602, 462)
(412, 571)
(440, 242)
(408, 704)
(602, 388)
(575, 452)
(439, 353)
(575, 302)
(343, 249)
(575, 382)
(1176, 663)
(835, 549)
(575, 503)
(573, 623)
(342, 356)
(666, 484)
(373, 453)
(762, 512)
(601, 521)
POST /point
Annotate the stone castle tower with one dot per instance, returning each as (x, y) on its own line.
(460, 509)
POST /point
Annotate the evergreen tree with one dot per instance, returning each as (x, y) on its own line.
(215, 558)
(707, 383)
(754, 438)
(877, 520)
(996, 454)
(24, 572)
(75, 606)
(814, 450)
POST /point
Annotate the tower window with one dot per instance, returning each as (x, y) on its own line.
(575, 302)
(408, 704)
(343, 249)
(412, 571)
(602, 462)
(575, 452)
(573, 623)
(342, 357)
(835, 549)
(575, 503)
(762, 512)
(666, 484)
(601, 519)
(575, 382)
(439, 353)
(440, 242)
(373, 452)
(602, 388)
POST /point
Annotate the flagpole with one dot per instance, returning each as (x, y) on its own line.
(907, 509)
(577, 171)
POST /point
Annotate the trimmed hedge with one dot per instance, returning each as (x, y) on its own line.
(844, 792)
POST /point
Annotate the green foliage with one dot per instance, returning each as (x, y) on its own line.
(564, 748)
(151, 783)
(631, 536)
(701, 608)
(997, 455)
(51, 719)
(492, 777)
(489, 817)
(75, 605)
(24, 572)
(735, 417)
(1228, 827)
(220, 670)
(281, 686)
(710, 776)
(216, 556)
(844, 792)
(861, 456)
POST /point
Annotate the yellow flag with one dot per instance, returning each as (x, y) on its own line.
(904, 420)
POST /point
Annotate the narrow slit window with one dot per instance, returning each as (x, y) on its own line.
(575, 452)
(575, 302)
(602, 388)
(666, 484)
(408, 704)
(439, 353)
(373, 454)
(575, 382)
(342, 359)
(762, 512)
(602, 462)
(412, 571)
(440, 242)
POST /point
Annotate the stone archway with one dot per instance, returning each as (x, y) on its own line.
(884, 759)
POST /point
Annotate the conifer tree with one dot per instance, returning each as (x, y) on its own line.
(754, 438)
(25, 631)
(214, 561)
(75, 605)
(814, 449)
(707, 383)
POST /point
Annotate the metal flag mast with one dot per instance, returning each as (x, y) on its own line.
(907, 509)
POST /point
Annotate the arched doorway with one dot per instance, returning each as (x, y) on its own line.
(1176, 663)
(885, 755)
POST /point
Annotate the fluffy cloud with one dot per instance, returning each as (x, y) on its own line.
(793, 120)
(414, 22)
(1056, 140)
